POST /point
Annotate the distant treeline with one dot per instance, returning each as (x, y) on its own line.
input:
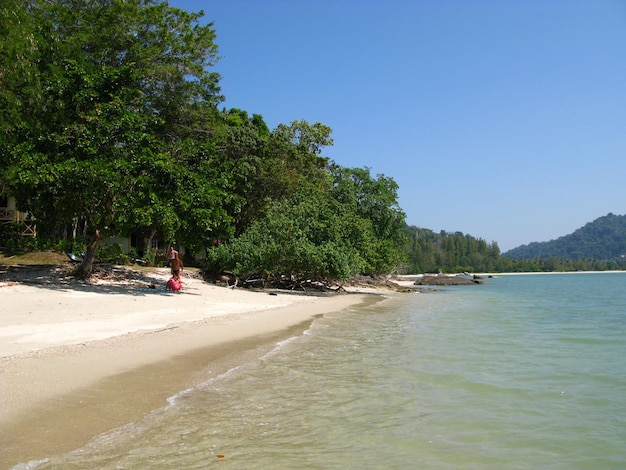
(428, 251)
(602, 239)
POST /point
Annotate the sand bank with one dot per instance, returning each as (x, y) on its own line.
(76, 361)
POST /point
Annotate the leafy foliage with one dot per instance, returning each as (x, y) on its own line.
(301, 238)
(119, 80)
(308, 236)
(111, 127)
(428, 251)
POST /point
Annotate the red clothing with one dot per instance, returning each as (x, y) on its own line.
(174, 284)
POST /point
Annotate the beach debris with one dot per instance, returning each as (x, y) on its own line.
(74, 258)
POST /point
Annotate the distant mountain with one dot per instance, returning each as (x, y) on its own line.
(603, 239)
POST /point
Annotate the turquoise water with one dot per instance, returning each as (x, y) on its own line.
(524, 372)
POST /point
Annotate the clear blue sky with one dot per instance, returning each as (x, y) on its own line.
(503, 119)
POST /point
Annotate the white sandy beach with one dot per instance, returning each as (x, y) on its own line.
(59, 344)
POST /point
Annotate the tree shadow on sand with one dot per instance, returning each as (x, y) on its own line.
(106, 279)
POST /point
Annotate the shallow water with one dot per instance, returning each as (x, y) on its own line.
(524, 372)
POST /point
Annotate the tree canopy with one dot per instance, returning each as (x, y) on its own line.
(122, 84)
(111, 125)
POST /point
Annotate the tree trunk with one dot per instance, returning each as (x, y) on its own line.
(84, 270)
(153, 233)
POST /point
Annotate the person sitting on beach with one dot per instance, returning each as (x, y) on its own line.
(177, 266)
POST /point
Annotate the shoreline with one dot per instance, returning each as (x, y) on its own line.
(76, 362)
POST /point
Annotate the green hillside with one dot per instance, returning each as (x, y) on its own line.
(602, 239)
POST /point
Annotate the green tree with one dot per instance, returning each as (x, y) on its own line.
(239, 162)
(293, 157)
(19, 80)
(306, 237)
(330, 226)
(125, 88)
(374, 200)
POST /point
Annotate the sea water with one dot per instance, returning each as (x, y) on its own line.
(522, 372)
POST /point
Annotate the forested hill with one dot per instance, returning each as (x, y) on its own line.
(602, 239)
